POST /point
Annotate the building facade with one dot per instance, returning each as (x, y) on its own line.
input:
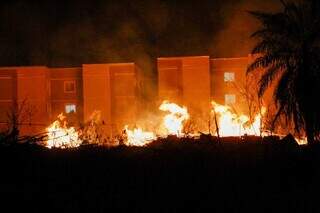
(42, 93)
(34, 96)
(186, 81)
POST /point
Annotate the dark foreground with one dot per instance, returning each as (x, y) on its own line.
(170, 176)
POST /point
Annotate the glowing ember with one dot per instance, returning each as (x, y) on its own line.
(138, 137)
(173, 122)
(60, 136)
(302, 141)
(230, 124)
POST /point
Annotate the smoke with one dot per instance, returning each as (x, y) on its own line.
(233, 38)
(77, 32)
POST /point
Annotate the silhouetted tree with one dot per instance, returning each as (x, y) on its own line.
(288, 52)
(20, 114)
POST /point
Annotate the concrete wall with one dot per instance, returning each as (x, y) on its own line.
(110, 88)
(32, 90)
(96, 93)
(123, 95)
(220, 88)
(186, 81)
(170, 79)
(196, 87)
(8, 94)
(113, 90)
(60, 97)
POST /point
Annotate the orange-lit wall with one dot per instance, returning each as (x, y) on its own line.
(8, 93)
(196, 81)
(32, 90)
(170, 79)
(220, 88)
(186, 81)
(59, 97)
(111, 89)
(123, 95)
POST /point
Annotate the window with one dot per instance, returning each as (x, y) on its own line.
(230, 99)
(70, 108)
(69, 86)
(228, 76)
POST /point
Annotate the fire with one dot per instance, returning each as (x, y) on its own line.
(231, 124)
(138, 137)
(301, 140)
(92, 131)
(60, 136)
(173, 122)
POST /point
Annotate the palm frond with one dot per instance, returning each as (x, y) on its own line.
(289, 48)
(268, 77)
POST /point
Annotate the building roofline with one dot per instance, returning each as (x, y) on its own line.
(19, 67)
(232, 58)
(53, 68)
(113, 64)
(180, 57)
(76, 67)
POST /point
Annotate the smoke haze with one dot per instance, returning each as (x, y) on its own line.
(76, 32)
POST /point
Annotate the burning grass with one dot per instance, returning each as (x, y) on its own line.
(173, 123)
(62, 136)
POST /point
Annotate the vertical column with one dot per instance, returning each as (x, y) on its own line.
(196, 89)
(97, 93)
(170, 79)
(123, 95)
(32, 99)
(8, 95)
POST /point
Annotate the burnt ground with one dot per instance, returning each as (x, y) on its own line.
(168, 176)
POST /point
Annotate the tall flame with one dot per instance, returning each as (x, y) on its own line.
(60, 136)
(173, 122)
(231, 124)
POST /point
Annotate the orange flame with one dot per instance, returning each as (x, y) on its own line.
(60, 136)
(231, 124)
(138, 137)
(173, 122)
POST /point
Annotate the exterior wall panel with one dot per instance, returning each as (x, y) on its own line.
(170, 79)
(32, 93)
(113, 90)
(186, 81)
(8, 95)
(220, 88)
(123, 95)
(96, 93)
(110, 88)
(60, 98)
(196, 89)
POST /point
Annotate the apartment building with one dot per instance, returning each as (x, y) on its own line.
(42, 93)
(38, 94)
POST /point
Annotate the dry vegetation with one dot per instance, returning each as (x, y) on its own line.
(166, 176)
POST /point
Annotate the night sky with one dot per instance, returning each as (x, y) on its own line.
(74, 32)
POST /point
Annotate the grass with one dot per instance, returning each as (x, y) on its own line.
(169, 175)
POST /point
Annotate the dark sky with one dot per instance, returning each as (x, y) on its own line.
(70, 33)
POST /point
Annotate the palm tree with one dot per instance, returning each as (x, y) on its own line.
(288, 53)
